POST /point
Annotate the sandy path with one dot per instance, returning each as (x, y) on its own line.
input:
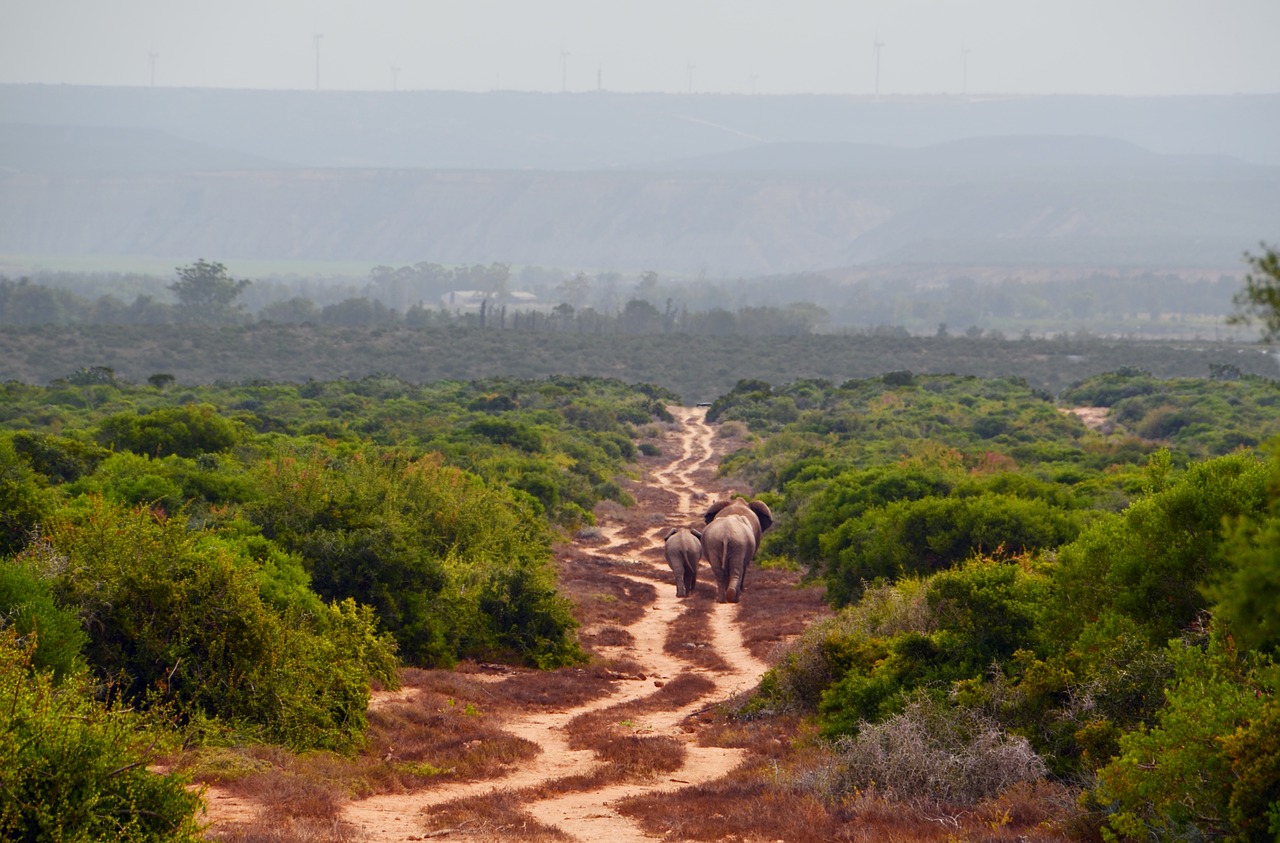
(587, 815)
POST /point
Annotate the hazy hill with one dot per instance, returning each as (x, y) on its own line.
(1002, 157)
(716, 184)
(514, 130)
(79, 149)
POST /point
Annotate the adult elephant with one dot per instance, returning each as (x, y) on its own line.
(730, 540)
(683, 549)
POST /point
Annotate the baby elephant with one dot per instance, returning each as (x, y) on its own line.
(684, 549)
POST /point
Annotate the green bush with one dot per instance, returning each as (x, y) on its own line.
(59, 458)
(177, 617)
(27, 608)
(930, 534)
(1180, 778)
(444, 559)
(187, 430)
(1246, 595)
(74, 769)
(24, 499)
(1153, 563)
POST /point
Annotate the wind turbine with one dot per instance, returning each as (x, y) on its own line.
(395, 76)
(317, 38)
(964, 71)
(877, 44)
(564, 71)
(153, 56)
(689, 68)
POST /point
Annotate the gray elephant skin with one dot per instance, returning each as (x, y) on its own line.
(684, 549)
(730, 540)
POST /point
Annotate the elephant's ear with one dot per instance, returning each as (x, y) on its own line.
(762, 511)
(714, 510)
(668, 533)
(697, 534)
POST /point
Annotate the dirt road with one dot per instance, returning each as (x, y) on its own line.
(700, 646)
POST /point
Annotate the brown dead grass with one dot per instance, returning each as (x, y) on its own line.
(689, 636)
(298, 806)
(436, 735)
(608, 636)
(770, 800)
(493, 816)
(601, 597)
(436, 738)
(775, 608)
(624, 746)
(739, 806)
(591, 730)
(288, 830)
(558, 689)
(623, 758)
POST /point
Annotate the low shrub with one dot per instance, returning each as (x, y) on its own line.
(72, 768)
(933, 751)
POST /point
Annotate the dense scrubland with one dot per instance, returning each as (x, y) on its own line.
(697, 368)
(1042, 629)
(239, 564)
(1025, 600)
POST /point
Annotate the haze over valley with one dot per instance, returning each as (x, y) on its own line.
(710, 185)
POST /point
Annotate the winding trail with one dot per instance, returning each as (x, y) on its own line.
(586, 814)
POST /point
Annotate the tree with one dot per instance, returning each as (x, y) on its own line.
(1260, 298)
(207, 294)
(640, 317)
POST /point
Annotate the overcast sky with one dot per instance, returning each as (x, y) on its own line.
(1127, 47)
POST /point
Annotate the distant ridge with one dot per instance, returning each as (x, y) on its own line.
(1012, 154)
(720, 185)
(84, 149)
(600, 130)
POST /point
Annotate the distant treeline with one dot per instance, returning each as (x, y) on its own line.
(542, 299)
(698, 368)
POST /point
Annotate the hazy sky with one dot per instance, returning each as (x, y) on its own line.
(726, 46)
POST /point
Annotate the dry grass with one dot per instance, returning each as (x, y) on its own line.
(493, 816)
(296, 807)
(618, 738)
(601, 597)
(590, 730)
(289, 830)
(435, 735)
(774, 799)
(776, 608)
(623, 758)
(689, 635)
(557, 689)
(608, 636)
(739, 806)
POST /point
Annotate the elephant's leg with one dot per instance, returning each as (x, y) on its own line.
(677, 569)
(735, 580)
(722, 581)
(691, 576)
